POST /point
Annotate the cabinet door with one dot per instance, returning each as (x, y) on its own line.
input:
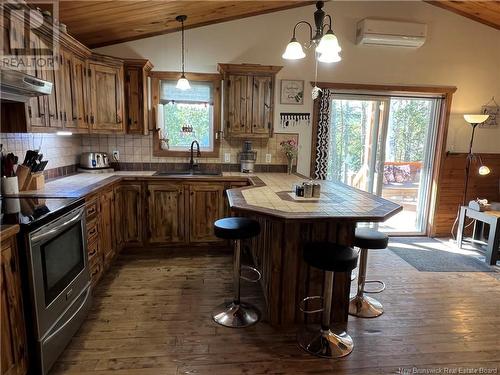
(106, 98)
(134, 100)
(13, 344)
(131, 195)
(239, 104)
(69, 113)
(118, 224)
(262, 105)
(36, 105)
(80, 96)
(206, 205)
(106, 229)
(166, 213)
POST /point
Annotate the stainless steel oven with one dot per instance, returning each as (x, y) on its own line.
(59, 282)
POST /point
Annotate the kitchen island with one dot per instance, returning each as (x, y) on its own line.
(287, 222)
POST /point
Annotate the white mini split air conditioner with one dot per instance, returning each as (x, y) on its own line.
(390, 33)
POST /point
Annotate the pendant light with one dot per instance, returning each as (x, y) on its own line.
(182, 83)
(327, 44)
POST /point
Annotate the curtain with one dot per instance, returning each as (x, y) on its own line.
(323, 136)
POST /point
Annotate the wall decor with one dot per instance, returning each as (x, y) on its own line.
(493, 110)
(292, 91)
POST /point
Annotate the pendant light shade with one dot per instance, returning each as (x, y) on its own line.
(293, 51)
(182, 83)
(476, 119)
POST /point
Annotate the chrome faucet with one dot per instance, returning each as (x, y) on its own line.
(192, 165)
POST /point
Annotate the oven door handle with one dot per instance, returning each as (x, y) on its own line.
(87, 294)
(60, 228)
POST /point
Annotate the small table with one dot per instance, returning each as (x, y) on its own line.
(482, 217)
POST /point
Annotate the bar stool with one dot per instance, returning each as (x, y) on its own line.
(321, 341)
(237, 314)
(361, 305)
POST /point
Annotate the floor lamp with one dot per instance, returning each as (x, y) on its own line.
(483, 170)
(474, 121)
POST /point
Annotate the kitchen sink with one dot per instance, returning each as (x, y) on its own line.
(188, 173)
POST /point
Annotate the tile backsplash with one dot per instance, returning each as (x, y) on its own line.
(64, 151)
(60, 151)
(138, 149)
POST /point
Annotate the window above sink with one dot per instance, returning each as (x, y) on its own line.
(186, 115)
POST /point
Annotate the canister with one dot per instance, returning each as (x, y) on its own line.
(316, 190)
(308, 190)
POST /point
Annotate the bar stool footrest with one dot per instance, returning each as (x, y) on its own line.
(302, 305)
(379, 290)
(252, 270)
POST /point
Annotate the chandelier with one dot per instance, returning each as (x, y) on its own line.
(327, 44)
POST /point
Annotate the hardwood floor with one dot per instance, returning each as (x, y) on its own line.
(151, 315)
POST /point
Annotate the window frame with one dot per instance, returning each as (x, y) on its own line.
(216, 80)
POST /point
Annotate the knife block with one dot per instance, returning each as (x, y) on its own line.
(28, 180)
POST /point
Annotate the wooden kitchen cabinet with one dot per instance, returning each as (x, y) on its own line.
(106, 228)
(166, 213)
(130, 205)
(249, 99)
(136, 95)
(206, 205)
(13, 348)
(106, 97)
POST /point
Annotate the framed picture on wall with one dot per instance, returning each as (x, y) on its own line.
(292, 91)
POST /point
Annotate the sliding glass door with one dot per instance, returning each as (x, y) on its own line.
(385, 145)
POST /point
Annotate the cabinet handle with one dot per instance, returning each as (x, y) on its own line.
(91, 119)
(65, 118)
(118, 119)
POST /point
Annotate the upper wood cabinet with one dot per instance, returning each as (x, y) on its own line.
(106, 97)
(248, 99)
(13, 350)
(136, 95)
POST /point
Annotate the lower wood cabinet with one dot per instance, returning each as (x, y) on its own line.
(129, 206)
(206, 205)
(107, 230)
(14, 360)
(166, 213)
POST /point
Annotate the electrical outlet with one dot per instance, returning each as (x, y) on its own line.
(268, 158)
(116, 155)
(227, 157)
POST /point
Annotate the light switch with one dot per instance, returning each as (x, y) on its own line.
(268, 158)
(227, 157)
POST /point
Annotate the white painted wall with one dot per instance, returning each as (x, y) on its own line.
(459, 52)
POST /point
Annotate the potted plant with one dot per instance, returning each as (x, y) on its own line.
(291, 149)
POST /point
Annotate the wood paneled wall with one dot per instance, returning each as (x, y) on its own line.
(451, 189)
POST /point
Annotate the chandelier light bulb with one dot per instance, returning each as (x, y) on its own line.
(293, 51)
(329, 44)
(329, 57)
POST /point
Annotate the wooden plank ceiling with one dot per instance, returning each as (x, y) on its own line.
(485, 11)
(100, 23)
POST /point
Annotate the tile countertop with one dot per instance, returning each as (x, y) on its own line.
(270, 194)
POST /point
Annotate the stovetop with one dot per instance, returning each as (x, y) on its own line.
(28, 211)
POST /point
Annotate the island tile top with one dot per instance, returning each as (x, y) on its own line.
(272, 195)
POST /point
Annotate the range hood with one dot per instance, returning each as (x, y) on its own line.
(19, 87)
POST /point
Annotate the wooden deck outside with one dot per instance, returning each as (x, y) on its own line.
(151, 316)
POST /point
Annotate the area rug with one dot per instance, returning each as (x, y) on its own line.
(430, 255)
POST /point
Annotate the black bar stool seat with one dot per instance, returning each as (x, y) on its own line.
(236, 228)
(321, 341)
(367, 238)
(361, 305)
(328, 256)
(235, 313)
